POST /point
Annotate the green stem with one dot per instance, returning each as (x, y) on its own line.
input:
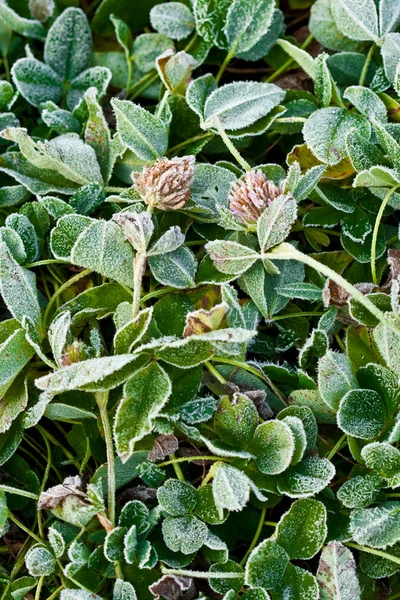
(47, 261)
(162, 104)
(366, 65)
(39, 587)
(288, 252)
(139, 268)
(177, 468)
(44, 481)
(232, 149)
(156, 293)
(56, 442)
(376, 230)
(23, 527)
(102, 400)
(289, 62)
(270, 523)
(227, 60)
(129, 74)
(141, 85)
(200, 574)
(62, 289)
(395, 559)
(256, 537)
(17, 492)
(215, 373)
(339, 444)
(296, 315)
(196, 138)
(192, 458)
(56, 593)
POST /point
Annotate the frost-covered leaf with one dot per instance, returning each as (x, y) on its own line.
(231, 257)
(360, 491)
(266, 565)
(307, 478)
(30, 28)
(384, 460)
(66, 154)
(357, 19)
(142, 132)
(69, 44)
(176, 269)
(177, 498)
(274, 224)
(96, 245)
(231, 489)
(173, 19)
(377, 527)
(145, 395)
(36, 81)
(93, 374)
(246, 23)
(302, 530)
(302, 57)
(337, 577)
(273, 447)
(39, 561)
(18, 288)
(123, 590)
(325, 133)
(236, 420)
(362, 414)
(335, 378)
(184, 534)
(367, 102)
(238, 105)
(97, 134)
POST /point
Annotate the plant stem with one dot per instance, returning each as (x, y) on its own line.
(214, 372)
(47, 261)
(196, 138)
(256, 536)
(381, 553)
(288, 252)
(39, 587)
(232, 149)
(192, 458)
(44, 481)
(62, 289)
(23, 527)
(56, 593)
(270, 523)
(337, 446)
(200, 574)
(139, 268)
(102, 400)
(226, 62)
(295, 315)
(142, 84)
(366, 65)
(129, 74)
(17, 492)
(376, 230)
(162, 104)
(177, 468)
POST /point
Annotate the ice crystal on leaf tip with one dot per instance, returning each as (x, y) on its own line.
(167, 184)
(251, 195)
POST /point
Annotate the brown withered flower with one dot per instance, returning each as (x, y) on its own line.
(251, 195)
(167, 184)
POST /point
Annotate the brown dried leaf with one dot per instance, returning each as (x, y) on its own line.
(203, 321)
(51, 498)
(163, 446)
(170, 587)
